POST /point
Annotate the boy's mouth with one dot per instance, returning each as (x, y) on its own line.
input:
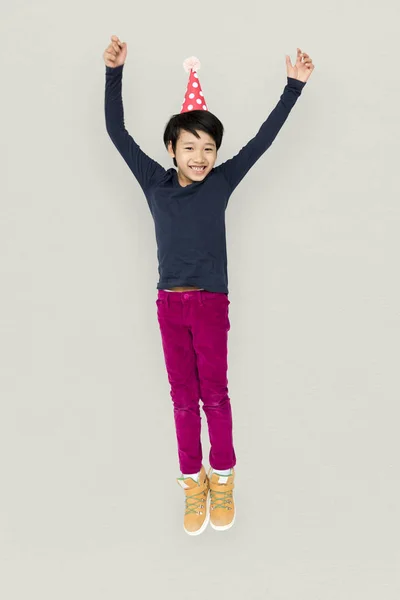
(197, 170)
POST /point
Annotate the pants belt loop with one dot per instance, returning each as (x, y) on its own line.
(201, 297)
(167, 298)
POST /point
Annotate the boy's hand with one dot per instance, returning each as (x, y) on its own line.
(115, 53)
(303, 67)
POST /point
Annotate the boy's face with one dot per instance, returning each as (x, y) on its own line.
(191, 152)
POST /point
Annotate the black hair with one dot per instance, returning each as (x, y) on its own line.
(201, 120)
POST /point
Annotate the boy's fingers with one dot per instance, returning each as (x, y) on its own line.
(114, 48)
(116, 40)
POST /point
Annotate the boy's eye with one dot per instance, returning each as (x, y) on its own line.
(189, 148)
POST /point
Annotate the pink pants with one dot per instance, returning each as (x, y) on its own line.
(194, 329)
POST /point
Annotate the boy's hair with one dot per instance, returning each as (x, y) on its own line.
(201, 120)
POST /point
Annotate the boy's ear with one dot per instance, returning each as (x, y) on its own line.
(170, 151)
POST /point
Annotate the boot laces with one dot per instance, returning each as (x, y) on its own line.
(221, 499)
(195, 502)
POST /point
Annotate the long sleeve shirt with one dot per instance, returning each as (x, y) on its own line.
(190, 220)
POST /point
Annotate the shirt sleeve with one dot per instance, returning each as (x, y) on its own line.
(146, 170)
(236, 168)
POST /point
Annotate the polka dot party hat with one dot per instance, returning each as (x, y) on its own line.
(194, 97)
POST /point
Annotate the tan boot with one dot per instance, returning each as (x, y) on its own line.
(197, 514)
(222, 505)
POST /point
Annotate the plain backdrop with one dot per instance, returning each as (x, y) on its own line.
(89, 505)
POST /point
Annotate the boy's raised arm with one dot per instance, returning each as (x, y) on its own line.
(146, 170)
(236, 168)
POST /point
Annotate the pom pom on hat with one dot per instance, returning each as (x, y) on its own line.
(194, 97)
(191, 63)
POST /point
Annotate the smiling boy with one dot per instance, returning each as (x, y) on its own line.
(188, 208)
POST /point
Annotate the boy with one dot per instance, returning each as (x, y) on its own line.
(188, 208)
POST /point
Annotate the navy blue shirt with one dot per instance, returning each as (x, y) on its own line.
(190, 220)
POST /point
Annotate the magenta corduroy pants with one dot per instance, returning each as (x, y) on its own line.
(194, 329)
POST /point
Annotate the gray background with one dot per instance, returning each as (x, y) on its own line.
(89, 505)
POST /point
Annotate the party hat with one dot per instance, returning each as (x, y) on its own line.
(194, 97)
